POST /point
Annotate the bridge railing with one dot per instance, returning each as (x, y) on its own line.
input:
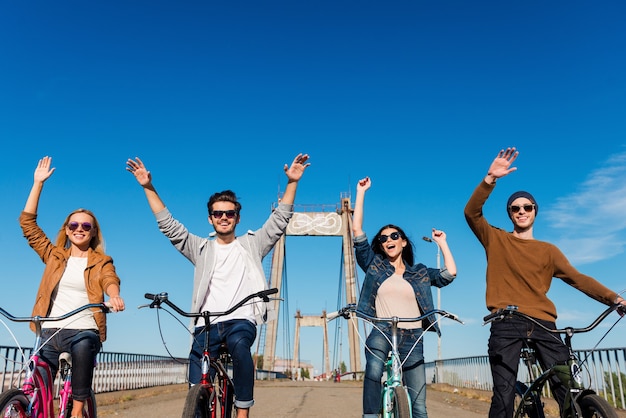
(605, 372)
(114, 371)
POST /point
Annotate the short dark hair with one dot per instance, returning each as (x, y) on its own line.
(223, 196)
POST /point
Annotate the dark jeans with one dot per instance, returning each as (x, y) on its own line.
(413, 370)
(505, 344)
(83, 345)
(239, 335)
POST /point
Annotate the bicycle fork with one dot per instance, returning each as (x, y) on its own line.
(205, 380)
(65, 372)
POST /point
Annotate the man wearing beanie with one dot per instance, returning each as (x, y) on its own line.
(519, 272)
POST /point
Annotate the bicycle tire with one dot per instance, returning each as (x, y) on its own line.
(13, 404)
(89, 410)
(198, 402)
(529, 407)
(401, 407)
(594, 406)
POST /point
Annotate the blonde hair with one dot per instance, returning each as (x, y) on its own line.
(96, 243)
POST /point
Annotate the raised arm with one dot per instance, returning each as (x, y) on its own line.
(448, 260)
(42, 173)
(357, 216)
(501, 165)
(294, 174)
(144, 178)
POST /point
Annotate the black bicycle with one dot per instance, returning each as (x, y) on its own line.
(580, 401)
(211, 398)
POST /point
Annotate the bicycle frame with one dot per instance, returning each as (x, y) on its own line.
(39, 383)
(394, 373)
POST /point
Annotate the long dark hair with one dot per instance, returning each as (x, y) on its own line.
(407, 252)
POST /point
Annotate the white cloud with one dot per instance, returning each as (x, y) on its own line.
(593, 220)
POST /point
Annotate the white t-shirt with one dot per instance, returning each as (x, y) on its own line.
(71, 294)
(227, 285)
(396, 297)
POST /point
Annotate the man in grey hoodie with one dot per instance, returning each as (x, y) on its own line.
(227, 269)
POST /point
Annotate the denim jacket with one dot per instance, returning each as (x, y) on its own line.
(378, 269)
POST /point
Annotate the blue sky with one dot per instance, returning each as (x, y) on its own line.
(420, 96)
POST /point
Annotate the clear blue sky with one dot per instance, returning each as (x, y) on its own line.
(418, 95)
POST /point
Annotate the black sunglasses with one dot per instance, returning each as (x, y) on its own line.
(527, 208)
(230, 214)
(73, 226)
(394, 236)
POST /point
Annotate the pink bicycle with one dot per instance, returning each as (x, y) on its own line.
(35, 398)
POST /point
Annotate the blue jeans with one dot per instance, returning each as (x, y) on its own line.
(505, 344)
(413, 370)
(239, 335)
(83, 345)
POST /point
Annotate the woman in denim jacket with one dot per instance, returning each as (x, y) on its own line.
(394, 286)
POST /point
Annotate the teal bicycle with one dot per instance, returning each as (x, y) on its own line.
(395, 399)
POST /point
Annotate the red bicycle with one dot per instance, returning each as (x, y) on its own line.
(210, 398)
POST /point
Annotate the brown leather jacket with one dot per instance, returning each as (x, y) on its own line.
(99, 274)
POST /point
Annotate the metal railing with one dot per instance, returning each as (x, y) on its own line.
(605, 373)
(114, 371)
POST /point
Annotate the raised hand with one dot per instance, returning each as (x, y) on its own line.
(43, 170)
(501, 165)
(299, 164)
(138, 169)
(438, 236)
(364, 184)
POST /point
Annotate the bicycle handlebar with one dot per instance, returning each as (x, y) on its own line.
(346, 310)
(158, 299)
(512, 310)
(103, 306)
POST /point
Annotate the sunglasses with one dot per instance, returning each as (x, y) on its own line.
(527, 208)
(394, 236)
(230, 214)
(73, 226)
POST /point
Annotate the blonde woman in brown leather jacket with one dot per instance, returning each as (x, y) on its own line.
(77, 272)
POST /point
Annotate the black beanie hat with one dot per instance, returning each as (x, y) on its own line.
(518, 194)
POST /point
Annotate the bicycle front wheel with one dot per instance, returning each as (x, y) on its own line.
(594, 406)
(13, 404)
(400, 403)
(199, 402)
(528, 406)
(89, 409)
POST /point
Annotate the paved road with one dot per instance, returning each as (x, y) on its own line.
(281, 399)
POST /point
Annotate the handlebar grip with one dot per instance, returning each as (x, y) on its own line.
(150, 296)
(491, 316)
(271, 291)
(332, 315)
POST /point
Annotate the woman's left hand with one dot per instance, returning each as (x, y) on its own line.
(116, 303)
(438, 235)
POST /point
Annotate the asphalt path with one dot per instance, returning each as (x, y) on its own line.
(281, 399)
(303, 399)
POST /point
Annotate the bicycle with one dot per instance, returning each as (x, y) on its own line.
(35, 397)
(395, 399)
(203, 398)
(580, 401)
